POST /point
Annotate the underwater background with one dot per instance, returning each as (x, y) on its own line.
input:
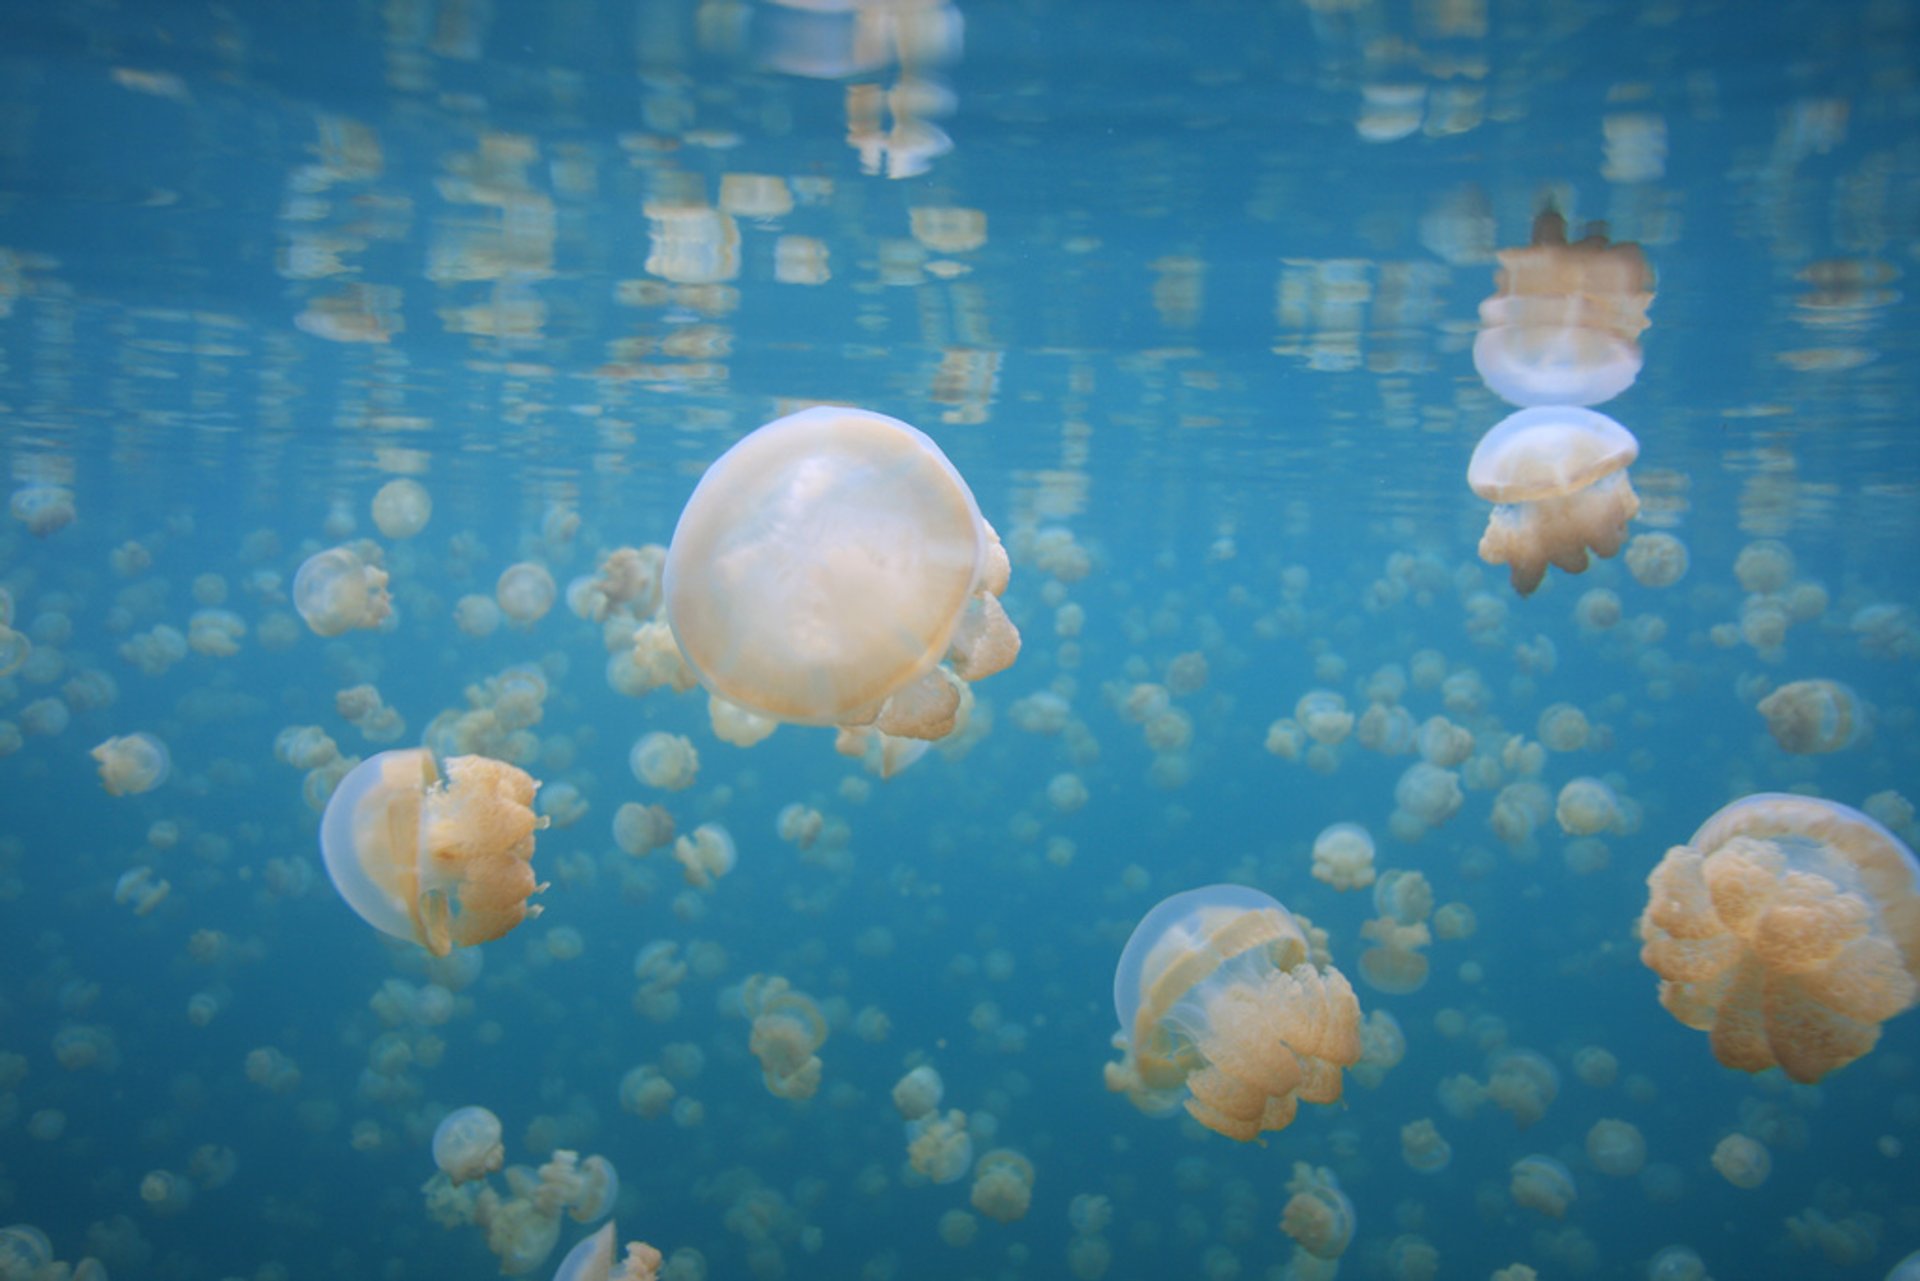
(1188, 293)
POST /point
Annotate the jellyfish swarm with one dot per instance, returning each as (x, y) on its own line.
(1558, 478)
(824, 567)
(1788, 929)
(440, 857)
(1217, 996)
(1564, 322)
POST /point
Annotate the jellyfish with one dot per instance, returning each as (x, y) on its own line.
(132, 764)
(1542, 1183)
(705, 855)
(1343, 857)
(336, 592)
(1616, 1148)
(787, 1028)
(466, 1144)
(1002, 1185)
(401, 508)
(939, 1147)
(1742, 1161)
(1811, 718)
(826, 564)
(1587, 806)
(669, 762)
(1656, 559)
(440, 854)
(1564, 322)
(1423, 1147)
(1318, 1216)
(918, 1092)
(1788, 929)
(1218, 996)
(1558, 478)
(525, 592)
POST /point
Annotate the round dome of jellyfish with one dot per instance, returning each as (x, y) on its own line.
(467, 1144)
(1742, 1161)
(440, 855)
(1002, 1185)
(525, 593)
(336, 592)
(669, 762)
(1218, 996)
(132, 764)
(1788, 929)
(1587, 806)
(1542, 1183)
(1564, 322)
(401, 508)
(1558, 478)
(1656, 559)
(1811, 718)
(918, 1092)
(824, 567)
(1318, 1216)
(1343, 857)
(1424, 1148)
(1616, 1148)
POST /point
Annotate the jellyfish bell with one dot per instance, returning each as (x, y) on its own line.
(1218, 997)
(132, 763)
(439, 854)
(827, 563)
(1814, 717)
(1563, 325)
(1788, 929)
(466, 1144)
(336, 591)
(1557, 476)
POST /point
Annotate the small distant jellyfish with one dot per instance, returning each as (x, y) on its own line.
(1002, 1185)
(525, 593)
(1543, 1184)
(1318, 1216)
(1742, 1161)
(787, 1030)
(401, 508)
(1564, 322)
(436, 853)
(1586, 807)
(44, 509)
(1559, 481)
(467, 1145)
(1423, 1147)
(1788, 929)
(1343, 857)
(1656, 559)
(1811, 718)
(824, 568)
(337, 592)
(1220, 1001)
(1616, 1148)
(918, 1092)
(666, 761)
(132, 764)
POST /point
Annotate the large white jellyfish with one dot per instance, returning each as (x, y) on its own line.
(826, 565)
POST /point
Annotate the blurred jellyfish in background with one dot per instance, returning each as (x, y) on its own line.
(402, 508)
(826, 565)
(338, 591)
(1002, 1185)
(1318, 1216)
(1543, 1184)
(1220, 1000)
(466, 1144)
(1557, 476)
(1788, 929)
(441, 856)
(132, 764)
(1813, 717)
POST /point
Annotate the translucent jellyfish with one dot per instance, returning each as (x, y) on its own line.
(1656, 559)
(1542, 1183)
(705, 855)
(1218, 996)
(1587, 806)
(1343, 857)
(918, 1092)
(1423, 1147)
(939, 1147)
(1788, 929)
(1742, 1161)
(1676, 1263)
(132, 764)
(1002, 1185)
(1558, 478)
(1810, 718)
(336, 592)
(1318, 1216)
(525, 593)
(666, 761)
(44, 509)
(440, 855)
(787, 1028)
(1564, 322)
(826, 564)
(466, 1144)
(401, 508)
(1616, 1148)
(1324, 716)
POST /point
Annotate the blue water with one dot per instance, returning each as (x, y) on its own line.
(1210, 309)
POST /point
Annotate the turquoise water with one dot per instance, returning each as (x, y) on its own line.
(1188, 294)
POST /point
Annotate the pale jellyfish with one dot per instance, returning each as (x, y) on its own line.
(467, 1144)
(401, 508)
(1423, 1147)
(1558, 478)
(441, 856)
(476, 615)
(336, 592)
(525, 593)
(1542, 1183)
(1677, 1263)
(1318, 1216)
(1218, 998)
(1742, 1161)
(939, 1147)
(1656, 559)
(1563, 728)
(787, 1030)
(44, 509)
(1788, 929)
(641, 829)
(918, 1092)
(705, 855)
(1343, 857)
(666, 761)
(1564, 323)
(1616, 1148)
(826, 564)
(132, 764)
(1810, 718)
(1002, 1185)
(736, 725)
(1587, 806)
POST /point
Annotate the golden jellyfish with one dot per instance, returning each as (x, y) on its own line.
(1616, 1148)
(336, 592)
(939, 1148)
(1218, 996)
(1742, 1161)
(787, 1028)
(440, 854)
(132, 763)
(1811, 718)
(1002, 1185)
(1558, 478)
(1318, 1216)
(525, 593)
(1586, 807)
(1343, 857)
(1424, 1148)
(1656, 559)
(1542, 1183)
(918, 1092)
(592, 1259)
(1788, 929)
(467, 1144)
(1564, 322)
(401, 508)
(669, 762)
(827, 564)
